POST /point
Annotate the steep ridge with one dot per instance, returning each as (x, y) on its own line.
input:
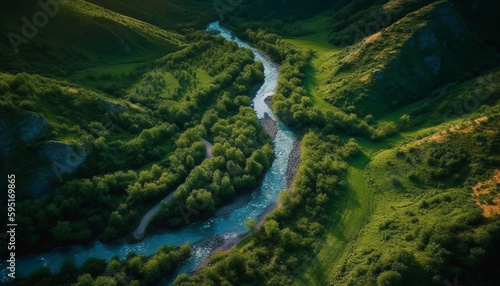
(404, 62)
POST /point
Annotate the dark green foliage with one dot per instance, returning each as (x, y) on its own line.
(134, 270)
(146, 148)
(290, 232)
(273, 16)
(40, 276)
(93, 266)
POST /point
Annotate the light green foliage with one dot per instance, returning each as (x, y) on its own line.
(250, 224)
(372, 224)
(291, 231)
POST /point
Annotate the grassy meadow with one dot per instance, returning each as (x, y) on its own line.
(396, 103)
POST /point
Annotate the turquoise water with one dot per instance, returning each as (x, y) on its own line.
(199, 234)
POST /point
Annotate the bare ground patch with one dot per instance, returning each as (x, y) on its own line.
(485, 188)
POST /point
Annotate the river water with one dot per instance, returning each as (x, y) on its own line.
(204, 236)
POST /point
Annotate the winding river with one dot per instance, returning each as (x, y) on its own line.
(204, 236)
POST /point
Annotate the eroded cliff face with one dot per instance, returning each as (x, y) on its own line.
(31, 127)
(432, 40)
(441, 50)
(21, 129)
(42, 163)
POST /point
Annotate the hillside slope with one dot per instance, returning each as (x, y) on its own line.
(75, 35)
(411, 89)
(403, 62)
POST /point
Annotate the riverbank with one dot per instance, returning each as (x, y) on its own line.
(227, 226)
(290, 177)
(139, 232)
(293, 164)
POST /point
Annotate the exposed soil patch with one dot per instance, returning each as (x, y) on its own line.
(209, 147)
(373, 38)
(442, 136)
(268, 101)
(293, 163)
(365, 79)
(73, 90)
(486, 188)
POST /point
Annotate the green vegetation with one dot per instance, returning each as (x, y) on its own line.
(134, 270)
(425, 227)
(276, 17)
(291, 232)
(377, 227)
(250, 224)
(396, 102)
(138, 146)
(78, 36)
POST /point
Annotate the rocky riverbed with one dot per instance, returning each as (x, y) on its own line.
(293, 163)
(269, 125)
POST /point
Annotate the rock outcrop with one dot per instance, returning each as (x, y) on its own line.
(111, 106)
(64, 158)
(32, 126)
(269, 125)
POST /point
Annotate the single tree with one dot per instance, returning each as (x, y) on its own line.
(250, 224)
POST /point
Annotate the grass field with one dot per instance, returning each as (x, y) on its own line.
(372, 200)
(355, 226)
(323, 52)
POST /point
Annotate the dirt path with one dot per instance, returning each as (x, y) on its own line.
(209, 147)
(139, 231)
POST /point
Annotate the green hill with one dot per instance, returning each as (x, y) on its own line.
(79, 35)
(105, 107)
(397, 102)
(403, 62)
(112, 115)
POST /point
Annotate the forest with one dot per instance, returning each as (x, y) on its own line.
(395, 104)
(154, 147)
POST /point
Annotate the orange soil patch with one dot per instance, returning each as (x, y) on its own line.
(482, 188)
(365, 78)
(393, 4)
(351, 57)
(440, 137)
(373, 38)
(468, 127)
(481, 119)
(73, 90)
